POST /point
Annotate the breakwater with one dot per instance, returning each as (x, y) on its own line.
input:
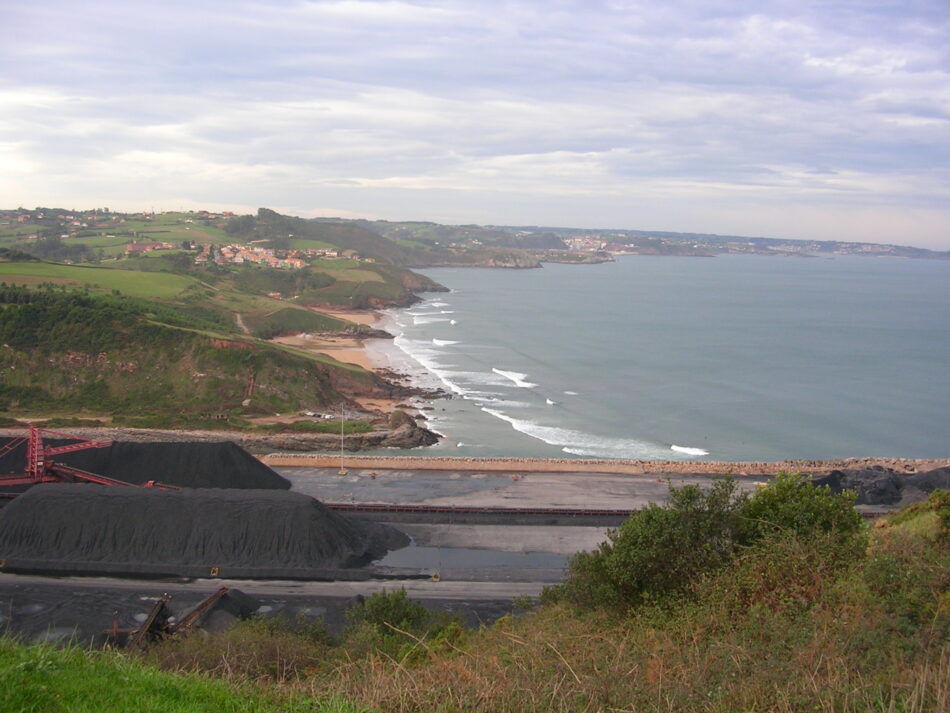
(576, 465)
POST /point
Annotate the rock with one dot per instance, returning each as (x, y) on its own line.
(409, 435)
(931, 480)
(878, 485)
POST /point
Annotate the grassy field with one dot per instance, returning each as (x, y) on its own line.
(136, 284)
(49, 680)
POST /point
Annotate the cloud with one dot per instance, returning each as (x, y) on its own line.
(738, 113)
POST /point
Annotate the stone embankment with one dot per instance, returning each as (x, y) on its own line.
(575, 465)
(406, 435)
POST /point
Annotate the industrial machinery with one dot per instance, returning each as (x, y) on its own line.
(41, 468)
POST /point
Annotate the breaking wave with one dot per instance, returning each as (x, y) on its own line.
(686, 450)
(516, 377)
(583, 444)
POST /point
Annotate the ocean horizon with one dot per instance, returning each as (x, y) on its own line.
(733, 358)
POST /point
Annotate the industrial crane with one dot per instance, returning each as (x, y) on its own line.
(41, 468)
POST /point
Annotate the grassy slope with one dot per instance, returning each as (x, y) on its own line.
(874, 636)
(265, 315)
(137, 284)
(99, 356)
(49, 680)
(188, 377)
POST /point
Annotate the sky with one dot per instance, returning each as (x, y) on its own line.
(777, 118)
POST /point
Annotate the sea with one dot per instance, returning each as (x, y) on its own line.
(731, 358)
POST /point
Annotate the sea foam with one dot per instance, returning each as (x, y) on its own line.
(516, 377)
(580, 443)
(686, 450)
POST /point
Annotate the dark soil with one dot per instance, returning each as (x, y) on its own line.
(83, 611)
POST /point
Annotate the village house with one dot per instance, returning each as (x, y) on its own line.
(146, 247)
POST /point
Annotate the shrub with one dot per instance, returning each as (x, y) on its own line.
(393, 624)
(791, 504)
(662, 551)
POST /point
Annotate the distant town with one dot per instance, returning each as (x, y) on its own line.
(217, 237)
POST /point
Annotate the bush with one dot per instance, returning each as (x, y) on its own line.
(791, 504)
(393, 624)
(662, 551)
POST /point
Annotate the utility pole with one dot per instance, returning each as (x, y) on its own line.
(342, 413)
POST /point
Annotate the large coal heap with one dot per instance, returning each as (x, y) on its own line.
(189, 464)
(883, 486)
(95, 529)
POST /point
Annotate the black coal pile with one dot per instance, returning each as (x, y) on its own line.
(883, 486)
(93, 529)
(191, 465)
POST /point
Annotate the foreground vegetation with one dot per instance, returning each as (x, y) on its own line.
(43, 679)
(804, 610)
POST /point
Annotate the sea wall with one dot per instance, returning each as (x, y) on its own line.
(575, 465)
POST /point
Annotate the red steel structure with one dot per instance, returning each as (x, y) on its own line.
(40, 468)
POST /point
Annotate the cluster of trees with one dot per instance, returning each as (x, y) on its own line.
(50, 246)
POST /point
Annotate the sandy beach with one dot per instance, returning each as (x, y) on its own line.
(345, 349)
(348, 350)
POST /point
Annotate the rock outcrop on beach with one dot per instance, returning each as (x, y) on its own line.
(878, 485)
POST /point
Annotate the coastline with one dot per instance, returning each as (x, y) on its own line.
(623, 467)
(364, 352)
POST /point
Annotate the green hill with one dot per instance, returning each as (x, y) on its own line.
(72, 353)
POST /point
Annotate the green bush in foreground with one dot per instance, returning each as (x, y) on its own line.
(660, 552)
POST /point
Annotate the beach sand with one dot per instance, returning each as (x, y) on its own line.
(348, 350)
(367, 317)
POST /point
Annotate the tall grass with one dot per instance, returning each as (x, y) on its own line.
(788, 626)
(782, 633)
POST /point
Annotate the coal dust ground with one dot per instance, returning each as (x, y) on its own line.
(59, 610)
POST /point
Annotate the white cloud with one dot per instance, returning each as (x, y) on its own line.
(732, 112)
